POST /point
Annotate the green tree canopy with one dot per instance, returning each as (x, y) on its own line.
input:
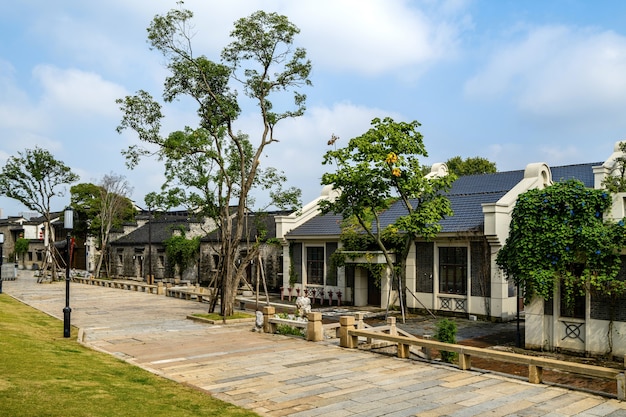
(558, 234)
(470, 166)
(213, 167)
(380, 167)
(34, 178)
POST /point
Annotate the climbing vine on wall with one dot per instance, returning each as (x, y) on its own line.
(558, 235)
(181, 251)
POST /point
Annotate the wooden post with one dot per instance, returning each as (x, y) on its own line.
(345, 339)
(465, 361)
(621, 387)
(535, 373)
(404, 351)
(393, 330)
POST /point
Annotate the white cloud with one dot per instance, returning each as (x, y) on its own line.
(78, 91)
(366, 37)
(372, 37)
(558, 72)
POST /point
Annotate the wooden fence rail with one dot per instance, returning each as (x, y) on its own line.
(349, 338)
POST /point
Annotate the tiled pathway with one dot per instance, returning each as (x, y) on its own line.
(283, 376)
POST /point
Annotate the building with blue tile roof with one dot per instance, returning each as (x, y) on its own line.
(454, 273)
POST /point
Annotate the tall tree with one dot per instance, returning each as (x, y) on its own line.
(378, 168)
(34, 178)
(102, 207)
(214, 166)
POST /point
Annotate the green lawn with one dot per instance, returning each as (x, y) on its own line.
(43, 374)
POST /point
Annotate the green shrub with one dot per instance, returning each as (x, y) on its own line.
(446, 332)
(289, 330)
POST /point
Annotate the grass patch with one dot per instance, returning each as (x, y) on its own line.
(216, 316)
(44, 374)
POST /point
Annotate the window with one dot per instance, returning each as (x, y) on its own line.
(315, 265)
(453, 270)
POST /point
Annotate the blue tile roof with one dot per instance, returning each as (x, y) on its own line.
(320, 225)
(466, 197)
(581, 172)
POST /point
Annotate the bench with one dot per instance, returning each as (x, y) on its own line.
(189, 293)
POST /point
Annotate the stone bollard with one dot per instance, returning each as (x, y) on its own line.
(268, 313)
(359, 320)
(360, 324)
(314, 328)
(345, 339)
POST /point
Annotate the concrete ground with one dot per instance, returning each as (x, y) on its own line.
(286, 376)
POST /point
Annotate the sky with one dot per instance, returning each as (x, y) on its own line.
(515, 82)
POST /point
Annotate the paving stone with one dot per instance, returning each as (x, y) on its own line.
(284, 376)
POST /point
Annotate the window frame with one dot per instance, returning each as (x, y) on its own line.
(455, 267)
(315, 267)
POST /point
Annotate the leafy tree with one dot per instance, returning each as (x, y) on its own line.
(214, 167)
(558, 235)
(33, 178)
(101, 208)
(21, 247)
(380, 167)
(470, 166)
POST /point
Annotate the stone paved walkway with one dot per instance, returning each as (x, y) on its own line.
(284, 376)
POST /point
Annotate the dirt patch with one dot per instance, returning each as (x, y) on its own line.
(507, 341)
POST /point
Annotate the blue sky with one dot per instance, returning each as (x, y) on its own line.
(512, 81)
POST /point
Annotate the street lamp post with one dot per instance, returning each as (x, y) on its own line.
(1, 243)
(68, 224)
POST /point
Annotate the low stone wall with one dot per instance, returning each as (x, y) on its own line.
(123, 285)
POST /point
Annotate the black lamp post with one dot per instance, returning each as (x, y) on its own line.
(68, 224)
(1, 243)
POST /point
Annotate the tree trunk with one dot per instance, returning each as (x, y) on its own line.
(99, 264)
